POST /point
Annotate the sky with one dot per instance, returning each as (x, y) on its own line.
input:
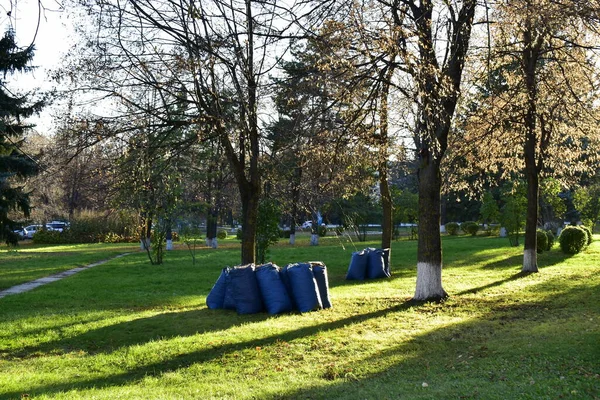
(52, 40)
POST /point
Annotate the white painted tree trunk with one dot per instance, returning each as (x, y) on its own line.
(213, 243)
(145, 244)
(169, 244)
(529, 261)
(208, 241)
(293, 238)
(429, 282)
(314, 239)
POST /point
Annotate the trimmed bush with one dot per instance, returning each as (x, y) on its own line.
(452, 228)
(542, 241)
(572, 239)
(588, 233)
(238, 234)
(222, 234)
(470, 227)
(44, 236)
(551, 238)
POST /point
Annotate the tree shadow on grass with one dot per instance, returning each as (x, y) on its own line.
(405, 369)
(545, 259)
(204, 355)
(340, 280)
(511, 278)
(143, 330)
(406, 361)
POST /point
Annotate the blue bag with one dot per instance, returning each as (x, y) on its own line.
(246, 292)
(376, 266)
(285, 279)
(228, 301)
(320, 272)
(357, 270)
(216, 296)
(273, 292)
(304, 287)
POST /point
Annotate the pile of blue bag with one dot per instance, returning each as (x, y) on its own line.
(250, 289)
(369, 263)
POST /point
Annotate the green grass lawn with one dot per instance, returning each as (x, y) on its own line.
(127, 329)
(29, 261)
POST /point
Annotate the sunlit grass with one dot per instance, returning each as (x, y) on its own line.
(127, 329)
(29, 261)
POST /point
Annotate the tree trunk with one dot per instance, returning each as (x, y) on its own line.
(387, 226)
(314, 239)
(530, 56)
(146, 231)
(169, 237)
(211, 228)
(250, 199)
(429, 250)
(530, 252)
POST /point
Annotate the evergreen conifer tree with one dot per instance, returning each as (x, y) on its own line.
(15, 166)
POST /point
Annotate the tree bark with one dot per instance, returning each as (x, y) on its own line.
(531, 172)
(429, 250)
(530, 56)
(250, 199)
(387, 226)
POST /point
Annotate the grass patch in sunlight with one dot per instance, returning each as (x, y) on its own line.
(29, 261)
(127, 329)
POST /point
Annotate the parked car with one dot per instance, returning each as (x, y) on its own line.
(21, 233)
(57, 226)
(30, 230)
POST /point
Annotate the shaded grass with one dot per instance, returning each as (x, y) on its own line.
(130, 330)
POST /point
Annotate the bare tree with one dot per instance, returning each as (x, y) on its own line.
(213, 56)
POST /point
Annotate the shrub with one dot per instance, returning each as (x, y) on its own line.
(222, 234)
(550, 237)
(452, 228)
(588, 233)
(44, 236)
(572, 239)
(238, 234)
(285, 233)
(112, 237)
(470, 227)
(542, 241)
(322, 230)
